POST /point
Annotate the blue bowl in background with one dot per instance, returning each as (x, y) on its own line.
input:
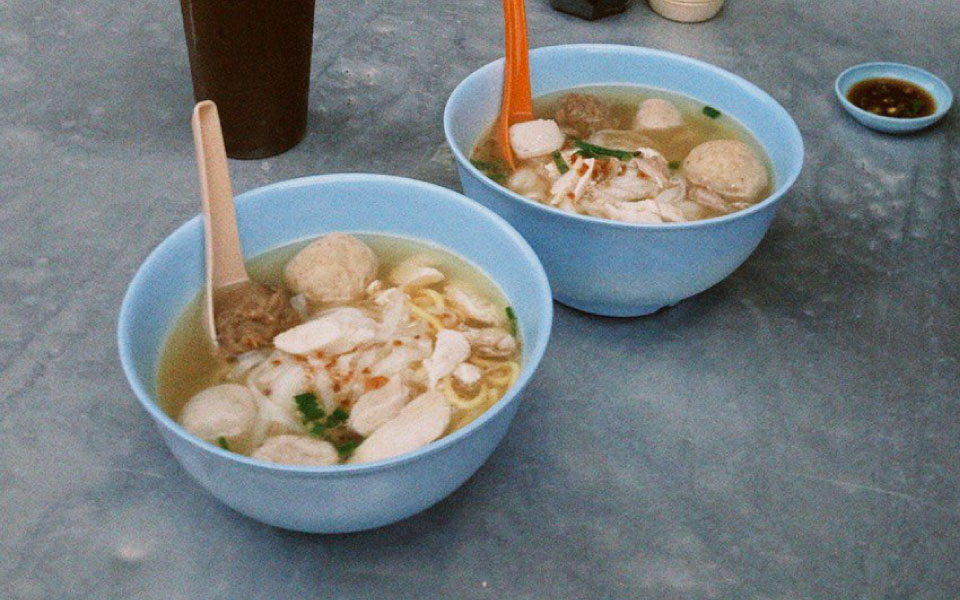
(935, 86)
(346, 497)
(627, 269)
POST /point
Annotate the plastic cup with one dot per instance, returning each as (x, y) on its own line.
(252, 57)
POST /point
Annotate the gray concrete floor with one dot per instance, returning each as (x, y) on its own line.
(791, 433)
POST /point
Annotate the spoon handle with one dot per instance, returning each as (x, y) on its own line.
(221, 240)
(516, 105)
(521, 105)
(224, 255)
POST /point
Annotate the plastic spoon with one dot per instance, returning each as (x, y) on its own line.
(222, 251)
(517, 104)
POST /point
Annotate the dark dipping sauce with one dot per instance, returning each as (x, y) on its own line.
(890, 97)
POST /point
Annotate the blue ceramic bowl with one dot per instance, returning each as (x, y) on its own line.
(627, 269)
(341, 498)
(931, 83)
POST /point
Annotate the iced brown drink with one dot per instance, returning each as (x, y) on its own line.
(252, 57)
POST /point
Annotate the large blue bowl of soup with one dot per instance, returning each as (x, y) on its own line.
(315, 472)
(647, 178)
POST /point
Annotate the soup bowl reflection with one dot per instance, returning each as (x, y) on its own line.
(345, 497)
(609, 267)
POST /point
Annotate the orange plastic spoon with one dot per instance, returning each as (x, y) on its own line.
(517, 105)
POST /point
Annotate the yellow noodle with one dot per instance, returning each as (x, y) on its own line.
(447, 315)
(506, 380)
(498, 367)
(429, 300)
(457, 400)
(514, 373)
(458, 312)
(461, 419)
(422, 300)
(436, 296)
(485, 362)
(426, 316)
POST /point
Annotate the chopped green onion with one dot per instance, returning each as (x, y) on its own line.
(483, 165)
(562, 165)
(347, 448)
(589, 150)
(336, 418)
(711, 112)
(674, 164)
(318, 429)
(494, 170)
(512, 317)
(307, 404)
(223, 443)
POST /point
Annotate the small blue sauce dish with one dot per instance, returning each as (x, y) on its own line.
(933, 85)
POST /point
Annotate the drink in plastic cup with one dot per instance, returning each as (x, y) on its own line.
(252, 57)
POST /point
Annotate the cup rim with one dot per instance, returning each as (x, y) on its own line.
(533, 355)
(775, 196)
(904, 71)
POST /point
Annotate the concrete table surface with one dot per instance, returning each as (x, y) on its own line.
(793, 432)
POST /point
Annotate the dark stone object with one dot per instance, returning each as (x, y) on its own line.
(590, 10)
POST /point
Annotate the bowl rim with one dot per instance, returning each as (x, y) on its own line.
(773, 198)
(903, 71)
(533, 354)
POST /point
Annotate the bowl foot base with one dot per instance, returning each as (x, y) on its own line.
(612, 310)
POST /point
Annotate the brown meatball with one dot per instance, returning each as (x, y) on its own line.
(581, 115)
(249, 315)
(335, 268)
(729, 168)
